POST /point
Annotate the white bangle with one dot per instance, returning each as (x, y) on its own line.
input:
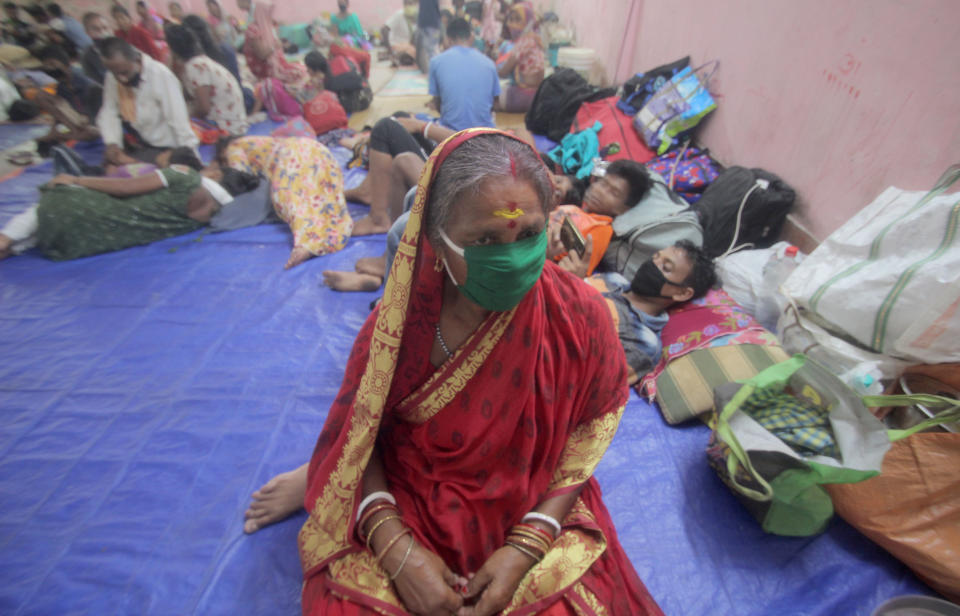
(426, 130)
(372, 497)
(546, 519)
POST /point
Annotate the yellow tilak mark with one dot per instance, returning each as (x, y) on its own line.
(509, 214)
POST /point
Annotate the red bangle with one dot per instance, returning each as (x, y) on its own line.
(546, 535)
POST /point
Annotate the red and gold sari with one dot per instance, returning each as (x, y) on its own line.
(523, 411)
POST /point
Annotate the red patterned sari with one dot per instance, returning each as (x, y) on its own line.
(522, 412)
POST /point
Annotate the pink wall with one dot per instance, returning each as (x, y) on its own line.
(608, 27)
(841, 99)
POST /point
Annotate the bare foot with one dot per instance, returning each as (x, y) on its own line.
(375, 266)
(368, 226)
(351, 281)
(351, 142)
(359, 194)
(6, 246)
(280, 497)
(297, 256)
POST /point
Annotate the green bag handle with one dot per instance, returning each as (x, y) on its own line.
(777, 374)
(738, 455)
(949, 415)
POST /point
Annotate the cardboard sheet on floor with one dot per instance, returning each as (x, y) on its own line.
(145, 394)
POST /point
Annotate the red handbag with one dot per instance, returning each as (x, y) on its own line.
(325, 113)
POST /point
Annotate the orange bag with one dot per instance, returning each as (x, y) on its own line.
(912, 509)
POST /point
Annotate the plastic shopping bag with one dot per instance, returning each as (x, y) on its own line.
(777, 466)
(676, 108)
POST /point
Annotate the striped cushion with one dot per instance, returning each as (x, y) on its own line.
(685, 388)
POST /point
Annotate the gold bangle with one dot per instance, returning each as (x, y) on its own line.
(531, 536)
(406, 555)
(530, 540)
(518, 532)
(529, 544)
(378, 525)
(392, 543)
(524, 550)
(530, 528)
(369, 513)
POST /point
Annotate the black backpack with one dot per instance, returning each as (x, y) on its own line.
(638, 89)
(557, 100)
(763, 215)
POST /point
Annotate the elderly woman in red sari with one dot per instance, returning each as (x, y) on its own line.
(454, 472)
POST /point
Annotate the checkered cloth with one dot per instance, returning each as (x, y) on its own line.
(802, 425)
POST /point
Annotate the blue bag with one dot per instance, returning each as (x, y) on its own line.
(638, 89)
(676, 108)
(688, 171)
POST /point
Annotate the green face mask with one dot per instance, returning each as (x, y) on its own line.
(499, 275)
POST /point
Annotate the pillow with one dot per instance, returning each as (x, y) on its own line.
(705, 327)
(713, 320)
(685, 388)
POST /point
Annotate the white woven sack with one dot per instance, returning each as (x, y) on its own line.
(890, 277)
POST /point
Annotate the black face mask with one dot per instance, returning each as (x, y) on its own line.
(134, 81)
(55, 73)
(649, 280)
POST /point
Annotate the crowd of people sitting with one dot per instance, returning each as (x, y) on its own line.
(486, 240)
(157, 83)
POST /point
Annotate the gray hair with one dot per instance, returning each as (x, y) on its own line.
(476, 160)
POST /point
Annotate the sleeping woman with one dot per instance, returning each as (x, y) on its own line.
(82, 216)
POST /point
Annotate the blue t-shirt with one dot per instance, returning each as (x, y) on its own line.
(639, 332)
(466, 82)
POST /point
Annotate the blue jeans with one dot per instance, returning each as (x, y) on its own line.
(428, 45)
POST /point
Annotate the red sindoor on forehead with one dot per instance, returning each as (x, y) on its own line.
(513, 165)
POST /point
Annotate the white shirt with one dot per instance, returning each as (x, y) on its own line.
(162, 117)
(399, 28)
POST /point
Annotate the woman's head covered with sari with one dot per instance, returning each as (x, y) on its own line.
(458, 173)
(486, 204)
(521, 411)
(521, 20)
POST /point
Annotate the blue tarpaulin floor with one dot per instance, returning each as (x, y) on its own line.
(145, 394)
